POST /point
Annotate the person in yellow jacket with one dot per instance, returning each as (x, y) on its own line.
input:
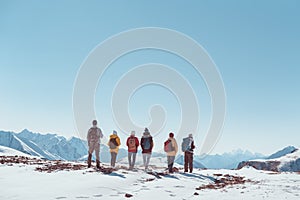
(171, 148)
(114, 143)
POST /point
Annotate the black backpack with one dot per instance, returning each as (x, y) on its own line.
(113, 143)
(147, 143)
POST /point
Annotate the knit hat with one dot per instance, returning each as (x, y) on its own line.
(94, 122)
(132, 133)
(115, 132)
(190, 135)
(146, 131)
(171, 135)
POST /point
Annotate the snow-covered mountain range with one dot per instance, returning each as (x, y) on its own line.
(55, 147)
(227, 160)
(48, 146)
(51, 146)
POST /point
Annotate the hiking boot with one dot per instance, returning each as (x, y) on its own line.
(98, 164)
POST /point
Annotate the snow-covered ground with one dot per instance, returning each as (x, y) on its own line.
(20, 181)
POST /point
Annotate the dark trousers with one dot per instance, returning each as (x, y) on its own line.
(188, 161)
(170, 163)
(89, 161)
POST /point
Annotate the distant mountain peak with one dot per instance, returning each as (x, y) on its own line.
(25, 131)
(283, 152)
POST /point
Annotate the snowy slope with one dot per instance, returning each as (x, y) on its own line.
(88, 184)
(290, 162)
(6, 151)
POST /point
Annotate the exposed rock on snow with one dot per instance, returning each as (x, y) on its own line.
(261, 165)
(222, 181)
(128, 195)
(50, 166)
(289, 162)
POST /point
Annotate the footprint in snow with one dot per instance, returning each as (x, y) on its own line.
(114, 195)
(60, 197)
(82, 197)
(97, 195)
(144, 188)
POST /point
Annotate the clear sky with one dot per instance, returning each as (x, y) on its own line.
(255, 44)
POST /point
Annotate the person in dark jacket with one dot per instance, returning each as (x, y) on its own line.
(147, 146)
(188, 155)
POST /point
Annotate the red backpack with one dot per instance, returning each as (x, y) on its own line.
(131, 144)
(168, 146)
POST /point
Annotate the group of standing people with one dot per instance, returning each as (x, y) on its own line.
(170, 147)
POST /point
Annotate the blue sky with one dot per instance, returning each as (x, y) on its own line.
(255, 45)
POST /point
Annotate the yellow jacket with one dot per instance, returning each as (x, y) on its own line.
(118, 142)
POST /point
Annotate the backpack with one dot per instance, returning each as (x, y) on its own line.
(131, 144)
(113, 143)
(168, 147)
(185, 145)
(147, 143)
(93, 134)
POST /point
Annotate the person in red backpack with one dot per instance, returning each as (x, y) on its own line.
(132, 144)
(171, 148)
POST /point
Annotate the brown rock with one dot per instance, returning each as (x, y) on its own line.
(266, 165)
(128, 195)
